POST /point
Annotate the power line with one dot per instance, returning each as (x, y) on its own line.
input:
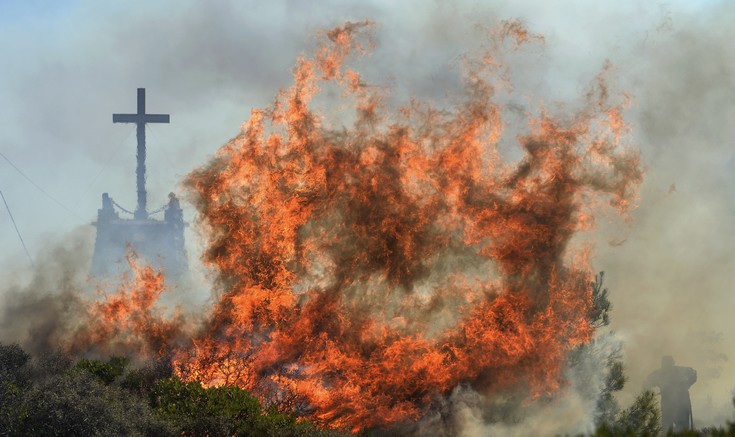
(39, 188)
(16, 229)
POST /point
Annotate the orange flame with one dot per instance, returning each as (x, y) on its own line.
(128, 321)
(366, 271)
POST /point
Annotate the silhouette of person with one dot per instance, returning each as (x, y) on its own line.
(673, 382)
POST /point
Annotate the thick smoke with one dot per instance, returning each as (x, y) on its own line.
(62, 308)
(672, 277)
(41, 313)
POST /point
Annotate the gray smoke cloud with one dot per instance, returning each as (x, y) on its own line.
(67, 68)
(672, 278)
(40, 313)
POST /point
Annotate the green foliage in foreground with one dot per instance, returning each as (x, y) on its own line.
(222, 411)
(640, 419)
(51, 396)
(729, 431)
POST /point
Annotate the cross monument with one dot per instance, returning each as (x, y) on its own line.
(140, 119)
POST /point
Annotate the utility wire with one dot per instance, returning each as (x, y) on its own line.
(16, 229)
(39, 188)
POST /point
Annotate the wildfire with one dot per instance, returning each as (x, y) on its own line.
(129, 319)
(365, 271)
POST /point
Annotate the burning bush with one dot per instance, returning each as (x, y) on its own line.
(366, 270)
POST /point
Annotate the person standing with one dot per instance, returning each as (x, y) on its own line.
(673, 383)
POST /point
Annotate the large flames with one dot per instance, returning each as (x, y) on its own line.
(365, 271)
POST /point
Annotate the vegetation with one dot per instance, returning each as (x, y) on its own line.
(641, 418)
(51, 396)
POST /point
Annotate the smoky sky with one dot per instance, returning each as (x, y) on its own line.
(65, 67)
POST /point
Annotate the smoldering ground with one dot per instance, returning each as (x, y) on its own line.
(669, 279)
